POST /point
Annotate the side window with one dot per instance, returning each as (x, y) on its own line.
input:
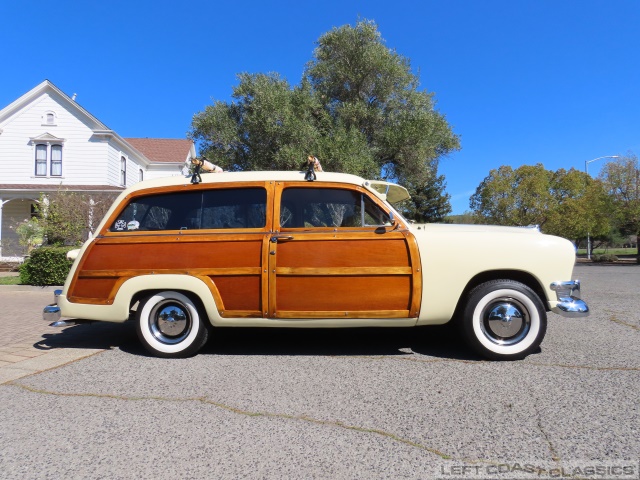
(328, 207)
(168, 211)
(234, 208)
(373, 214)
(227, 208)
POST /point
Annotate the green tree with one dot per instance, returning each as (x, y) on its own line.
(514, 197)
(581, 206)
(358, 108)
(622, 182)
(67, 217)
(568, 203)
(466, 218)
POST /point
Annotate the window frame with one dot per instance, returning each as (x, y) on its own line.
(40, 161)
(47, 163)
(49, 114)
(123, 170)
(53, 161)
(364, 194)
(120, 217)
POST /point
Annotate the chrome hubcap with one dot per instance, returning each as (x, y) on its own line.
(170, 322)
(505, 321)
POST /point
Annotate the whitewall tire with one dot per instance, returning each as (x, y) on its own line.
(170, 325)
(503, 320)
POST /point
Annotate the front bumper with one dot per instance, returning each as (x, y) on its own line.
(569, 302)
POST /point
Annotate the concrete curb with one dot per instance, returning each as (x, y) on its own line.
(47, 361)
(29, 288)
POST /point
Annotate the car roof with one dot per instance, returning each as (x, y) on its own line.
(382, 189)
(247, 177)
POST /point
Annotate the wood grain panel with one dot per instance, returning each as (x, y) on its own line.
(240, 292)
(111, 261)
(300, 271)
(95, 288)
(340, 252)
(344, 293)
(174, 255)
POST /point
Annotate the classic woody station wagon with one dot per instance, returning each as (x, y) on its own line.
(272, 249)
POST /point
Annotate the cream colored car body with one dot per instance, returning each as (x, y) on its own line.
(451, 256)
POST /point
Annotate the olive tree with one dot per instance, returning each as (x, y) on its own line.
(358, 108)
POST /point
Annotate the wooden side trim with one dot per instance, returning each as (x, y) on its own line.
(367, 235)
(240, 313)
(312, 271)
(416, 293)
(343, 314)
(172, 236)
(197, 272)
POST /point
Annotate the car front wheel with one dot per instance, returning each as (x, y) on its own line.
(503, 320)
(169, 325)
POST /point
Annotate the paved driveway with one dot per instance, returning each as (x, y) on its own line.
(400, 403)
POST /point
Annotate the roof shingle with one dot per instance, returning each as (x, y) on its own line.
(162, 150)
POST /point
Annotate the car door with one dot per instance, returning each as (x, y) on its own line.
(336, 253)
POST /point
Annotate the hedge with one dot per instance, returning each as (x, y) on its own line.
(46, 266)
(607, 257)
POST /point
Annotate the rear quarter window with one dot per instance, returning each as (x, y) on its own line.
(203, 209)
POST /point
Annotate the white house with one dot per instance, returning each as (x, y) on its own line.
(48, 142)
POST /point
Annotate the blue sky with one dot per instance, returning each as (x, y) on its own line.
(521, 81)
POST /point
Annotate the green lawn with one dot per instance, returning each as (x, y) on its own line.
(610, 251)
(9, 280)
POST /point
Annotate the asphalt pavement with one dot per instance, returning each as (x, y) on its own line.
(357, 403)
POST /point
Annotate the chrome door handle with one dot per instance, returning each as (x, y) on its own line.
(275, 238)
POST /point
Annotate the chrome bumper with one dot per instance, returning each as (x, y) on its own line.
(51, 313)
(569, 302)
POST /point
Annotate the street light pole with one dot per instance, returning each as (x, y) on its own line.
(586, 170)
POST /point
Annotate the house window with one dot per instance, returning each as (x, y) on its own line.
(49, 118)
(48, 154)
(140, 175)
(56, 160)
(41, 160)
(123, 171)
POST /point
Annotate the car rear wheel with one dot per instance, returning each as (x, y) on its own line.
(169, 325)
(503, 320)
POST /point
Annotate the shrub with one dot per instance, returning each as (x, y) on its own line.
(46, 266)
(607, 257)
(30, 233)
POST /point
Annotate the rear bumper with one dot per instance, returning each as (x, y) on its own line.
(51, 313)
(569, 302)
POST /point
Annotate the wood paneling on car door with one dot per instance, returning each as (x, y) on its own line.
(335, 272)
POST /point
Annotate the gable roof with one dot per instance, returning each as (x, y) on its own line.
(48, 87)
(163, 150)
(149, 150)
